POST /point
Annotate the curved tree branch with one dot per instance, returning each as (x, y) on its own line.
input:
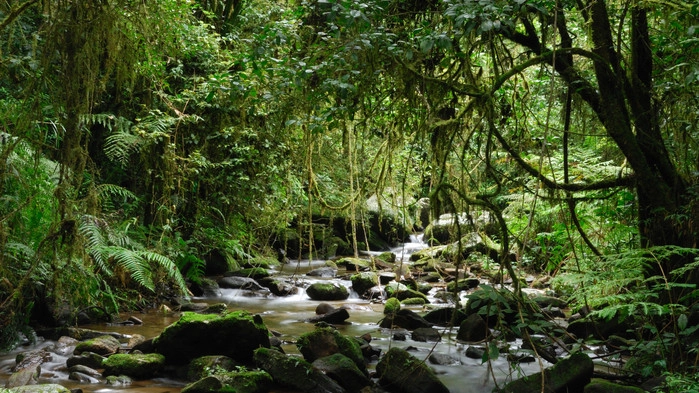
(15, 12)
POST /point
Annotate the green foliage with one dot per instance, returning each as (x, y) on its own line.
(116, 252)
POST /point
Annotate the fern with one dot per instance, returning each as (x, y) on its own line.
(111, 250)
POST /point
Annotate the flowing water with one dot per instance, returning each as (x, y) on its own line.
(286, 315)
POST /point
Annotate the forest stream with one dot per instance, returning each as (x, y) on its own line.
(286, 315)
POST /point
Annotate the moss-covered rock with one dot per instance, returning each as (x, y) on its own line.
(136, 366)
(236, 335)
(207, 365)
(44, 388)
(356, 264)
(569, 374)
(102, 345)
(402, 372)
(235, 381)
(391, 307)
(598, 385)
(323, 342)
(361, 282)
(410, 294)
(463, 284)
(344, 371)
(414, 301)
(294, 372)
(327, 291)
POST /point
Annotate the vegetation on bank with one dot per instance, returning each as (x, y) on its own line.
(143, 142)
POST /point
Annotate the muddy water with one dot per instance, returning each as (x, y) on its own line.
(286, 316)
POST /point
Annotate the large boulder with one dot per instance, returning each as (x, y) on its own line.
(136, 366)
(294, 372)
(27, 368)
(344, 371)
(279, 287)
(327, 291)
(236, 335)
(202, 366)
(568, 375)
(235, 282)
(323, 342)
(400, 371)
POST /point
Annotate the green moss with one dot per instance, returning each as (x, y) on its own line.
(134, 365)
(392, 306)
(414, 301)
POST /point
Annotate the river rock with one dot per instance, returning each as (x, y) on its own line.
(426, 334)
(102, 345)
(410, 294)
(327, 291)
(463, 284)
(43, 388)
(335, 316)
(87, 359)
(344, 371)
(136, 366)
(445, 316)
(203, 366)
(354, 264)
(82, 377)
(323, 342)
(79, 368)
(236, 334)
(325, 271)
(361, 282)
(294, 372)
(473, 329)
(404, 318)
(444, 359)
(402, 372)
(28, 368)
(205, 287)
(598, 385)
(568, 375)
(234, 282)
(279, 287)
(234, 381)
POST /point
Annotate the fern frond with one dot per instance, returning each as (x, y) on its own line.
(168, 265)
(133, 263)
(119, 146)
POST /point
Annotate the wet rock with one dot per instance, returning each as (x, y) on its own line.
(137, 366)
(196, 307)
(426, 334)
(386, 277)
(362, 282)
(400, 371)
(404, 318)
(335, 317)
(119, 380)
(473, 329)
(102, 345)
(326, 272)
(203, 366)
(232, 282)
(323, 342)
(549, 301)
(354, 264)
(475, 352)
(205, 287)
(410, 294)
(344, 371)
(279, 287)
(294, 372)
(445, 316)
(444, 360)
(236, 334)
(568, 375)
(65, 346)
(43, 388)
(463, 284)
(79, 368)
(87, 359)
(82, 377)
(327, 291)
(238, 382)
